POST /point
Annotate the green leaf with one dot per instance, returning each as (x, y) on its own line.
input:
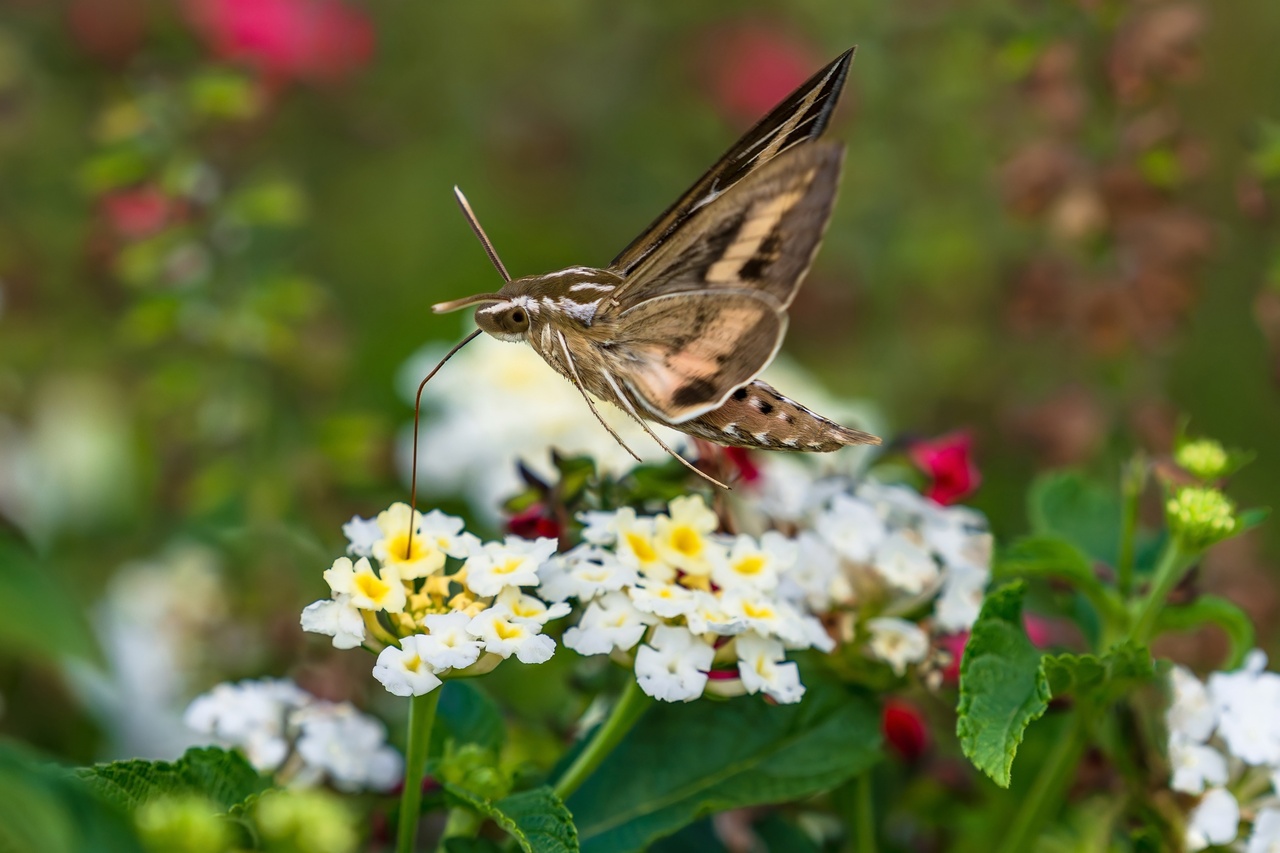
(1210, 609)
(45, 809)
(1099, 680)
(471, 845)
(685, 761)
(1002, 687)
(1067, 504)
(536, 819)
(35, 619)
(223, 777)
(780, 836)
(467, 715)
(1048, 556)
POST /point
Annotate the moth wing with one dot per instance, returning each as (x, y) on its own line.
(683, 354)
(761, 235)
(802, 117)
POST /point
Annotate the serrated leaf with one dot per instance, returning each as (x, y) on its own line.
(225, 778)
(682, 762)
(1212, 610)
(46, 809)
(536, 819)
(1069, 505)
(1099, 679)
(1002, 686)
(467, 715)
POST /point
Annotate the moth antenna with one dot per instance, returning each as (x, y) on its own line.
(480, 235)
(417, 410)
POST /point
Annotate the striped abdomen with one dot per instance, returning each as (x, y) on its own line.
(758, 416)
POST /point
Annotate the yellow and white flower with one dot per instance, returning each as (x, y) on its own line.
(683, 537)
(368, 589)
(504, 634)
(673, 666)
(763, 667)
(898, 642)
(404, 671)
(498, 565)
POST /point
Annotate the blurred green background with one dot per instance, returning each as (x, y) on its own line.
(222, 225)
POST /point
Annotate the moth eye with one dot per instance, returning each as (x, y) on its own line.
(517, 316)
(519, 319)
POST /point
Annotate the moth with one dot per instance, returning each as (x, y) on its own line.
(676, 329)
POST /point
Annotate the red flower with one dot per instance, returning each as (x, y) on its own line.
(756, 67)
(742, 462)
(298, 39)
(903, 727)
(948, 461)
(953, 645)
(138, 212)
(533, 523)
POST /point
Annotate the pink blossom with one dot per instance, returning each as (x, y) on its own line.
(138, 212)
(755, 67)
(948, 461)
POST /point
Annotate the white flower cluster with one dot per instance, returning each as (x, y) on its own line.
(1224, 736)
(399, 597)
(882, 552)
(710, 609)
(283, 729)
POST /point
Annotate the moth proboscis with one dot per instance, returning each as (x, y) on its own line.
(676, 329)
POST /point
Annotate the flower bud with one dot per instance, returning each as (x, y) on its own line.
(182, 825)
(305, 822)
(1199, 517)
(1203, 458)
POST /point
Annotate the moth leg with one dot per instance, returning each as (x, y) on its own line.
(631, 410)
(573, 372)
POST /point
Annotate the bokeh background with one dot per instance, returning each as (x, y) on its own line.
(222, 224)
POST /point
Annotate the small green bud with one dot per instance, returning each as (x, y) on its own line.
(1199, 517)
(475, 768)
(182, 825)
(1203, 458)
(305, 822)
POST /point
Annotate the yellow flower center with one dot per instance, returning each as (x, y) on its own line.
(754, 612)
(686, 540)
(520, 609)
(372, 587)
(400, 551)
(413, 664)
(641, 548)
(752, 565)
(508, 567)
(507, 631)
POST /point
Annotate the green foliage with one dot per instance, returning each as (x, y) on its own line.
(35, 619)
(45, 809)
(305, 821)
(536, 819)
(1052, 557)
(1212, 610)
(223, 777)
(685, 761)
(466, 714)
(1002, 686)
(1099, 680)
(1073, 507)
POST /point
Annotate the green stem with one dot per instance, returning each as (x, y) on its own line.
(1046, 792)
(864, 824)
(1173, 565)
(630, 707)
(1132, 481)
(422, 715)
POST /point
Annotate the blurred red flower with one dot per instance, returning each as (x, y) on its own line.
(138, 212)
(533, 523)
(903, 727)
(754, 67)
(742, 462)
(948, 461)
(953, 645)
(286, 39)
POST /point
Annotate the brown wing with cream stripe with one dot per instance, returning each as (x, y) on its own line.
(683, 354)
(761, 235)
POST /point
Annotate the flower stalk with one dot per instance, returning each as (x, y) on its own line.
(629, 708)
(422, 716)
(1046, 793)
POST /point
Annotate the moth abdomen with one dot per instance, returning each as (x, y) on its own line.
(756, 415)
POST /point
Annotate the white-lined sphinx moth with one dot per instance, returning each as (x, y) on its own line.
(678, 326)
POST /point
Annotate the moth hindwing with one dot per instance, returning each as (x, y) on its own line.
(679, 326)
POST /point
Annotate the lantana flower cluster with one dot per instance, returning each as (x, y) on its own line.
(433, 600)
(691, 610)
(895, 566)
(1224, 747)
(305, 741)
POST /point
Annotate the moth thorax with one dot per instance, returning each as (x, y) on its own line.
(507, 320)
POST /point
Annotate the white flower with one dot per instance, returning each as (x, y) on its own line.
(673, 666)
(434, 537)
(504, 634)
(755, 564)
(852, 527)
(1191, 715)
(600, 528)
(583, 573)
(763, 667)
(610, 622)
(336, 617)
(898, 642)
(710, 616)
(348, 747)
(772, 617)
(1195, 766)
(815, 580)
(682, 538)
(957, 607)
(515, 562)
(252, 715)
(637, 546)
(527, 607)
(361, 534)
(1266, 832)
(404, 671)
(447, 645)
(1246, 703)
(368, 590)
(1216, 820)
(667, 600)
(904, 564)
